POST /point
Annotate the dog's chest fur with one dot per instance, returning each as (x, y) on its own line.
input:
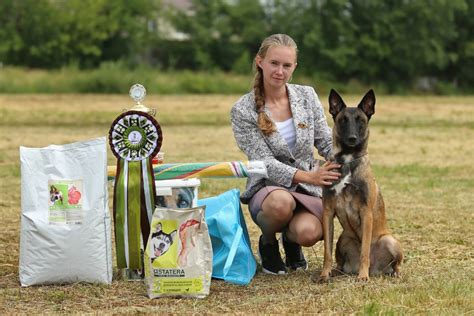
(350, 194)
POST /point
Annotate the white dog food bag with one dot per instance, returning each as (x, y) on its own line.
(178, 256)
(65, 232)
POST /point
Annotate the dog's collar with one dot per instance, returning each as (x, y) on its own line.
(344, 162)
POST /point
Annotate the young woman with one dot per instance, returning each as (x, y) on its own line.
(281, 123)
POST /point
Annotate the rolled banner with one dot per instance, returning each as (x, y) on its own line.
(233, 169)
(134, 137)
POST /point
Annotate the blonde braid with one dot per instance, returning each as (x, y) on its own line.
(264, 123)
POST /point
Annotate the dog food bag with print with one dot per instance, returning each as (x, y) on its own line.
(178, 257)
(65, 234)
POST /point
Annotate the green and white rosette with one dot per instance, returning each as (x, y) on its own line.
(134, 137)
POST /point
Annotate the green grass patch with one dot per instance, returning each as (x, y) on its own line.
(414, 176)
(57, 118)
(101, 118)
(9, 170)
(423, 122)
(114, 78)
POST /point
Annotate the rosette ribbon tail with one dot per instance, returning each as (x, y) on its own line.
(134, 201)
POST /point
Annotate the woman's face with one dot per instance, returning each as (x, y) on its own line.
(277, 65)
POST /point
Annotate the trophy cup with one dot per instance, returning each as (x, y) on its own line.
(135, 137)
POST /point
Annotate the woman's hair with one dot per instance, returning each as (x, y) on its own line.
(264, 123)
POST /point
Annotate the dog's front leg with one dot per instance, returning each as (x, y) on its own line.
(328, 233)
(366, 217)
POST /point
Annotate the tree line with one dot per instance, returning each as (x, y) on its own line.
(399, 43)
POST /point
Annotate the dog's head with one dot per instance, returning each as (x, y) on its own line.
(181, 198)
(161, 241)
(55, 194)
(351, 124)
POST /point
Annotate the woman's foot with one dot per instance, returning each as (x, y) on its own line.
(294, 255)
(270, 257)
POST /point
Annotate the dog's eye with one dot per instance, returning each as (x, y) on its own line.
(183, 203)
(360, 122)
(160, 201)
(184, 199)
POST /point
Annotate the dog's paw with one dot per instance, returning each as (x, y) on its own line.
(362, 277)
(321, 278)
(396, 274)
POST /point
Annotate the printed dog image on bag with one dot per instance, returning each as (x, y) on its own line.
(163, 247)
(160, 242)
(180, 198)
(55, 195)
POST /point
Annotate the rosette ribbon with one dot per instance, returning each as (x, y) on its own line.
(134, 137)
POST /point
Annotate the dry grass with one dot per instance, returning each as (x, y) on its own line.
(421, 150)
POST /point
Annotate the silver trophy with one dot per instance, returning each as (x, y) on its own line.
(137, 93)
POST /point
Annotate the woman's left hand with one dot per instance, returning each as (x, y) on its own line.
(324, 175)
(327, 173)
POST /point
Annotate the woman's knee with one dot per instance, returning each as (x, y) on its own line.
(279, 205)
(308, 233)
(309, 238)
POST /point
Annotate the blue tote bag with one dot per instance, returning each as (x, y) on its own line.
(233, 260)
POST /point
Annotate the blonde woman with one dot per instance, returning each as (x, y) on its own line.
(281, 123)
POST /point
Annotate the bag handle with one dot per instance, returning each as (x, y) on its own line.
(233, 249)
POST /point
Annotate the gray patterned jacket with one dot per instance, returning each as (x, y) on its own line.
(311, 130)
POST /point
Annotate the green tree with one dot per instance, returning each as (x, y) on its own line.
(84, 28)
(48, 34)
(328, 38)
(400, 41)
(31, 34)
(209, 33)
(461, 50)
(222, 34)
(130, 30)
(249, 28)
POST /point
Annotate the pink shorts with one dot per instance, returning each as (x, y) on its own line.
(313, 204)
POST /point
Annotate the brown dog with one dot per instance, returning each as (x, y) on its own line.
(365, 245)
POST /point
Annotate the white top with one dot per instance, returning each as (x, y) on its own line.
(288, 131)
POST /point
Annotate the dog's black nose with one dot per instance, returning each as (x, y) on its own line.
(352, 139)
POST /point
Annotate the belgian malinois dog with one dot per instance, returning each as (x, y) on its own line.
(365, 245)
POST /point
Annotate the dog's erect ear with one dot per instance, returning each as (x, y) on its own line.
(173, 234)
(336, 104)
(367, 105)
(158, 227)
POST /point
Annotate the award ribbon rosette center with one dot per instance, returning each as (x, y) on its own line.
(135, 137)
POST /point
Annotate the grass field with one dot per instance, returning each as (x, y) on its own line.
(421, 150)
